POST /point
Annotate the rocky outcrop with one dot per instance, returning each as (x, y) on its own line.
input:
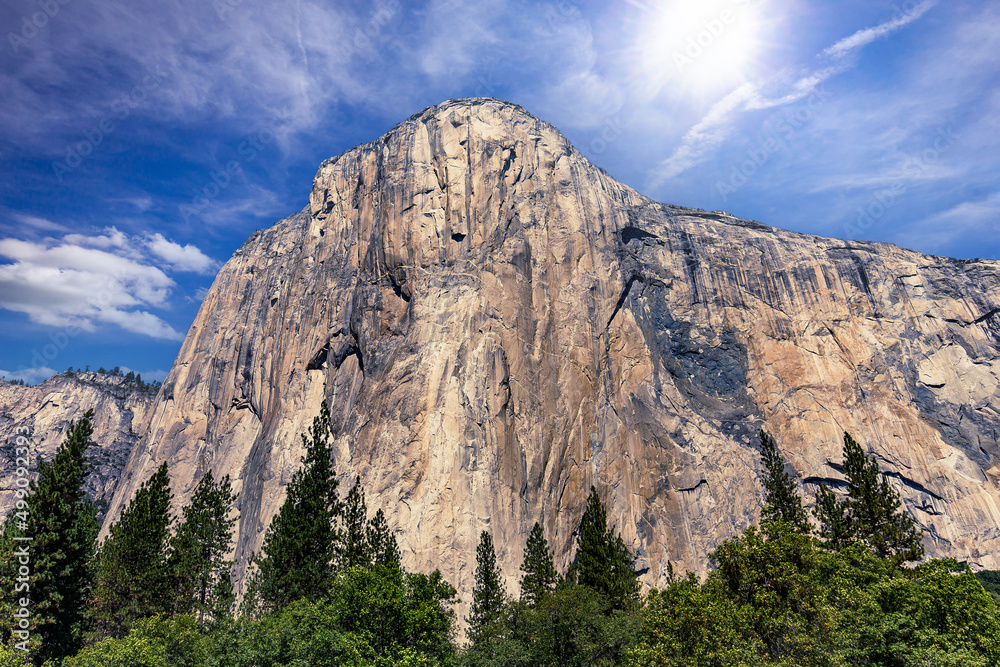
(497, 325)
(45, 412)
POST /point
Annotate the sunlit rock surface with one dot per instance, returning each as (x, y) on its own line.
(44, 412)
(498, 325)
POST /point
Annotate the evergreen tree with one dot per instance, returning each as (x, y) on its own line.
(198, 564)
(871, 513)
(132, 576)
(300, 544)
(875, 508)
(602, 560)
(781, 498)
(489, 594)
(381, 542)
(63, 530)
(540, 576)
(354, 551)
(836, 527)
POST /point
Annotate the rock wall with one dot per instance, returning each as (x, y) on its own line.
(46, 411)
(498, 325)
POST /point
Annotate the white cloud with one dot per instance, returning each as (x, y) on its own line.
(181, 258)
(868, 35)
(70, 284)
(112, 239)
(41, 224)
(29, 375)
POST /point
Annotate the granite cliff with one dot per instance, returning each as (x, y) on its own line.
(46, 411)
(497, 325)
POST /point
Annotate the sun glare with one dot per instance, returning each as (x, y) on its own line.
(702, 47)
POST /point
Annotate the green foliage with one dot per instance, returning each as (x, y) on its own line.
(365, 542)
(376, 616)
(573, 625)
(937, 614)
(489, 594)
(602, 560)
(781, 498)
(302, 541)
(990, 579)
(777, 599)
(874, 505)
(381, 542)
(354, 549)
(836, 527)
(62, 529)
(154, 641)
(686, 625)
(199, 569)
(871, 513)
(540, 576)
(132, 578)
(11, 656)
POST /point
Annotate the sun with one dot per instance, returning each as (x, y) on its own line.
(702, 47)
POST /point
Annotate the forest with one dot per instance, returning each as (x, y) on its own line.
(849, 586)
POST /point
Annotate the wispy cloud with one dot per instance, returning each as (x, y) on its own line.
(704, 136)
(39, 224)
(868, 35)
(717, 124)
(978, 219)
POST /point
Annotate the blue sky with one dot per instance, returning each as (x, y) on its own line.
(141, 144)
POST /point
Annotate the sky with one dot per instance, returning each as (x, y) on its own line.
(142, 143)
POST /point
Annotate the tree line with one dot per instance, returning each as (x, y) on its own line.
(327, 586)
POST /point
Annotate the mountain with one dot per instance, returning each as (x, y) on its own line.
(497, 325)
(44, 412)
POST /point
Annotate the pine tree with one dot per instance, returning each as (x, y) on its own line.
(602, 560)
(296, 559)
(781, 498)
(132, 576)
(63, 530)
(355, 551)
(381, 542)
(875, 508)
(836, 527)
(540, 576)
(871, 513)
(489, 594)
(198, 565)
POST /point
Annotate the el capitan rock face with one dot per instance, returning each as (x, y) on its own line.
(497, 325)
